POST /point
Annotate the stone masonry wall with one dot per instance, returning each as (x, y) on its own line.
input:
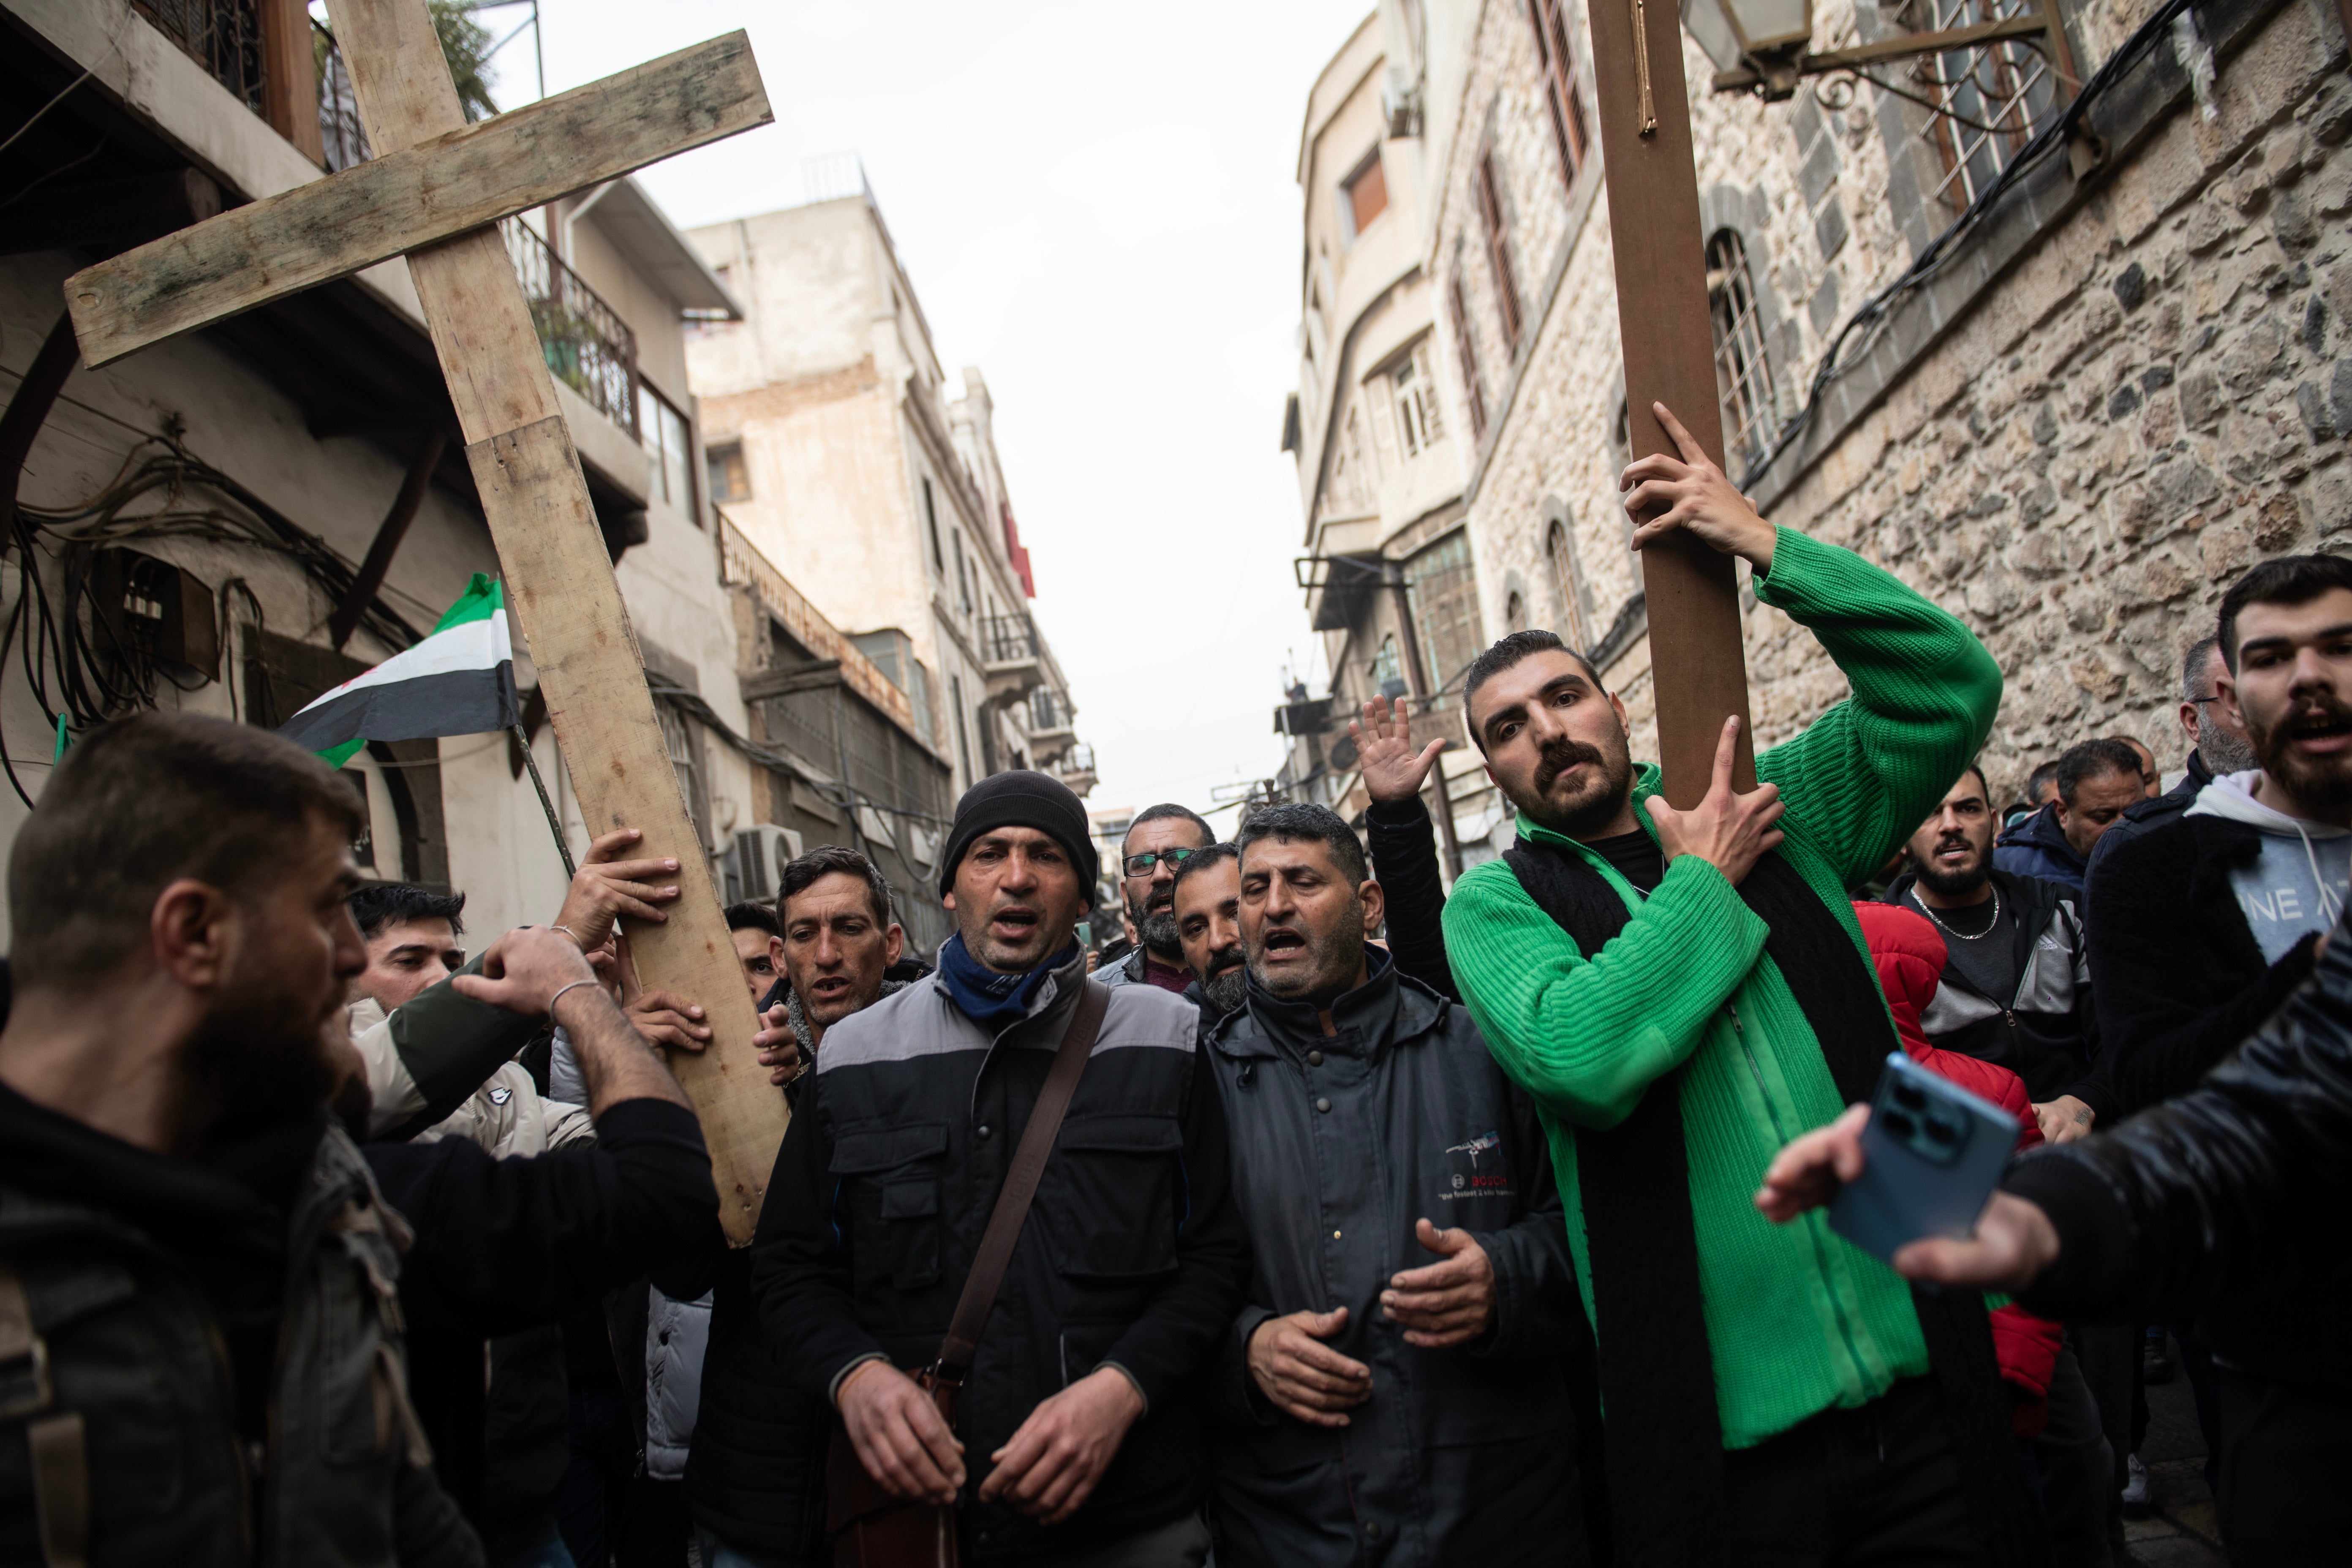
(2157, 395)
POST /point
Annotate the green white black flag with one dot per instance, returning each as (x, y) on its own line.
(457, 681)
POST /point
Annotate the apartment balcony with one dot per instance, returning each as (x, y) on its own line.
(588, 347)
(1050, 727)
(1074, 766)
(1011, 657)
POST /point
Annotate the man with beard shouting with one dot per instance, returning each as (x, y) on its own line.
(1677, 989)
(1157, 843)
(1394, 1388)
(2204, 927)
(2016, 988)
(2208, 921)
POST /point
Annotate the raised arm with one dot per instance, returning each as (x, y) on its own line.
(1403, 840)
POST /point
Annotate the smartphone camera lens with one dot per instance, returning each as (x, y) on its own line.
(1908, 1098)
(1941, 1132)
(1901, 1125)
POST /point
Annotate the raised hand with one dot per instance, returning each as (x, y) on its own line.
(779, 1047)
(1730, 832)
(1693, 494)
(1303, 1376)
(1391, 769)
(605, 888)
(900, 1437)
(1446, 1303)
(1050, 1466)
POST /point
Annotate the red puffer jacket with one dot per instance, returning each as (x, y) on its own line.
(1909, 955)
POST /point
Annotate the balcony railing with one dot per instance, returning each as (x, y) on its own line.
(1008, 639)
(1048, 711)
(345, 142)
(223, 36)
(589, 348)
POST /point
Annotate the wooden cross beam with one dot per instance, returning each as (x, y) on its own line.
(1699, 666)
(434, 186)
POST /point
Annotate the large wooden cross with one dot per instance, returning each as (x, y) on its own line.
(434, 193)
(1698, 668)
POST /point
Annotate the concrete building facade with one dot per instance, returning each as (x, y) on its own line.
(2068, 386)
(198, 511)
(1380, 450)
(838, 448)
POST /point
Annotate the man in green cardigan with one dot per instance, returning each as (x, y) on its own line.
(1681, 992)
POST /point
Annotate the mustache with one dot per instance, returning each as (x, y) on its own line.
(1226, 958)
(1558, 756)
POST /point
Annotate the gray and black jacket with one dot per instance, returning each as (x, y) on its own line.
(2047, 1033)
(130, 1434)
(1132, 1255)
(1339, 1144)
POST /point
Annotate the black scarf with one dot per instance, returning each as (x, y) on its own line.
(1665, 1435)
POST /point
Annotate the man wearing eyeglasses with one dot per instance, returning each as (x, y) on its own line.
(1158, 843)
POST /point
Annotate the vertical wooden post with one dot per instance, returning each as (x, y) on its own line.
(289, 76)
(561, 586)
(1698, 668)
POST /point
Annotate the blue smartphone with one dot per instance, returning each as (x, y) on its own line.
(1933, 1153)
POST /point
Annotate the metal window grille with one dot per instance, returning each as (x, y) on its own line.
(1465, 348)
(1561, 550)
(1386, 665)
(222, 35)
(1988, 100)
(1008, 639)
(1444, 592)
(686, 761)
(1743, 374)
(1498, 251)
(1555, 62)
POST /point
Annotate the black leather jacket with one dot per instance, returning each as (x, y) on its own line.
(2229, 1200)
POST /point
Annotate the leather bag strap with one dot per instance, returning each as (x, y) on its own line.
(1012, 1211)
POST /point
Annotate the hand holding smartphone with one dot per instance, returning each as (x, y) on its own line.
(1933, 1153)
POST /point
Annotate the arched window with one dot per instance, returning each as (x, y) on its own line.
(1743, 374)
(1514, 612)
(1560, 552)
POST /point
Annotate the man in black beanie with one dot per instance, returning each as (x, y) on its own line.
(1079, 1425)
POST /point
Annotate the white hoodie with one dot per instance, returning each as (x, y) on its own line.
(2300, 881)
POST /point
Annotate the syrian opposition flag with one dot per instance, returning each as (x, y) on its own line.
(457, 681)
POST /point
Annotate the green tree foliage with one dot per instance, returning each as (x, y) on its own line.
(466, 44)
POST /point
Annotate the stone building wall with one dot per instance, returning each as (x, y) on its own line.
(2127, 407)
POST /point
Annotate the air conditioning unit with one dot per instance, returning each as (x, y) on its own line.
(761, 853)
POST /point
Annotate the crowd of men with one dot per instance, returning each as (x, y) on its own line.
(1366, 1220)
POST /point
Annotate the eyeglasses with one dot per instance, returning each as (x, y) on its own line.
(1140, 864)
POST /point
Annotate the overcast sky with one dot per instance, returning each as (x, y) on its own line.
(1098, 206)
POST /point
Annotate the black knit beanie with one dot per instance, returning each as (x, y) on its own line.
(1022, 799)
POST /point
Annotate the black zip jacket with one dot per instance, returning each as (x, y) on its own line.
(1341, 1143)
(2047, 1032)
(1132, 1255)
(2227, 1199)
(507, 1244)
(2178, 976)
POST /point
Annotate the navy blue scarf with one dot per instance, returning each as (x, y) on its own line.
(988, 998)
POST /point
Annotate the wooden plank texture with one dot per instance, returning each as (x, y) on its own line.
(1697, 664)
(560, 583)
(419, 191)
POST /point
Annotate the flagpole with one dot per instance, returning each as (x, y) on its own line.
(562, 845)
